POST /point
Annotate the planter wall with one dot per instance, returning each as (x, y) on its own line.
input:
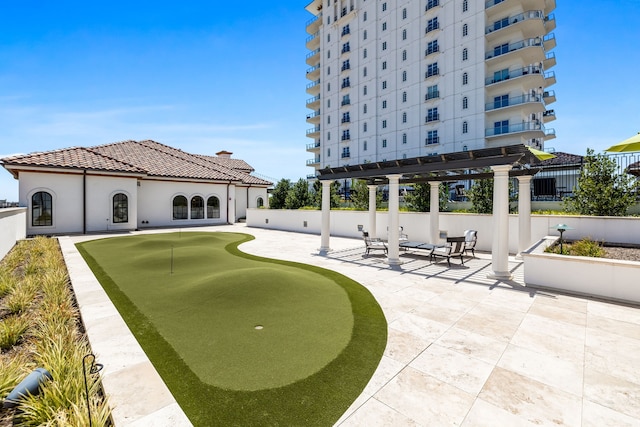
(13, 227)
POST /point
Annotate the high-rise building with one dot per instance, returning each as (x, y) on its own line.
(408, 78)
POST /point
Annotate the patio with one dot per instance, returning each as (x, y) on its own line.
(467, 350)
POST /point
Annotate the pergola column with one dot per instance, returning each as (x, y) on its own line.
(325, 233)
(372, 210)
(393, 258)
(524, 213)
(434, 212)
(500, 246)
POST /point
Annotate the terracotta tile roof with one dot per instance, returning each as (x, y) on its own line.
(562, 159)
(148, 157)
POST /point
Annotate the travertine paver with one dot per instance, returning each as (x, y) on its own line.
(467, 350)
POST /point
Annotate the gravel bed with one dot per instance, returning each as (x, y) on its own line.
(627, 254)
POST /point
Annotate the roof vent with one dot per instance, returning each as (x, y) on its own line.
(224, 154)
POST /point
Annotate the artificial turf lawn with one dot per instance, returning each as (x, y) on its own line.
(195, 315)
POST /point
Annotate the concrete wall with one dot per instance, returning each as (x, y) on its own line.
(13, 223)
(416, 225)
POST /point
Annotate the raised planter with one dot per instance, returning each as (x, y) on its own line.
(601, 277)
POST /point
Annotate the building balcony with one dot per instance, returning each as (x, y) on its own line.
(313, 57)
(549, 60)
(345, 102)
(549, 134)
(313, 24)
(313, 103)
(313, 88)
(312, 176)
(313, 162)
(345, 137)
(313, 117)
(345, 120)
(499, 8)
(346, 155)
(516, 101)
(530, 76)
(527, 130)
(314, 146)
(314, 132)
(549, 96)
(434, 72)
(549, 79)
(548, 116)
(313, 73)
(528, 51)
(550, 23)
(431, 4)
(313, 41)
(432, 95)
(432, 118)
(549, 42)
(528, 24)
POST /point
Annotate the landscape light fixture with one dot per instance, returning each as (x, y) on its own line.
(28, 386)
(561, 228)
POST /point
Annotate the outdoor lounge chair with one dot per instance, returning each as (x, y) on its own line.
(453, 248)
(470, 240)
(373, 243)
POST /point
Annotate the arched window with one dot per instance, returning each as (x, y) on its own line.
(465, 127)
(197, 207)
(465, 103)
(404, 96)
(41, 209)
(180, 207)
(465, 5)
(404, 138)
(465, 78)
(404, 55)
(404, 117)
(260, 202)
(213, 207)
(465, 54)
(465, 30)
(120, 208)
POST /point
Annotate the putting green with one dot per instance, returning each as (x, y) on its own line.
(240, 324)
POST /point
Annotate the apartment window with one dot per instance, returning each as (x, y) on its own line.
(346, 135)
(432, 138)
(364, 52)
(384, 6)
(465, 103)
(364, 146)
(465, 127)
(364, 35)
(346, 82)
(346, 30)
(346, 118)
(346, 100)
(213, 207)
(501, 101)
(432, 115)
(465, 5)
(328, 136)
(328, 119)
(328, 87)
(465, 54)
(404, 13)
(328, 152)
(384, 84)
(501, 75)
(41, 209)
(328, 54)
(404, 76)
(364, 109)
(328, 38)
(404, 117)
(197, 207)
(432, 92)
(364, 72)
(432, 70)
(404, 55)
(384, 45)
(384, 65)
(502, 49)
(328, 103)
(346, 48)
(180, 207)
(346, 65)
(501, 127)
(120, 208)
(384, 103)
(384, 124)
(384, 26)
(404, 96)
(364, 16)
(384, 143)
(431, 4)
(465, 78)
(432, 24)
(432, 47)
(465, 30)
(404, 138)
(404, 34)
(364, 90)
(345, 152)
(364, 127)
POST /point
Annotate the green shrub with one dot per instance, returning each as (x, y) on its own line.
(585, 247)
(12, 328)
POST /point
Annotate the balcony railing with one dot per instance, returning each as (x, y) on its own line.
(346, 49)
(313, 130)
(346, 120)
(432, 95)
(431, 72)
(346, 102)
(312, 53)
(432, 140)
(491, 3)
(431, 4)
(432, 118)
(314, 19)
(346, 137)
(432, 27)
(314, 99)
(312, 84)
(312, 69)
(504, 49)
(512, 74)
(313, 36)
(516, 100)
(313, 161)
(515, 128)
(503, 23)
(346, 85)
(314, 114)
(346, 155)
(431, 49)
(346, 67)
(313, 145)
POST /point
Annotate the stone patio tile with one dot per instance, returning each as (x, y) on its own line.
(622, 363)
(416, 294)
(499, 323)
(614, 326)
(404, 347)
(169, 416)
(547, 369)
(485, 414)
(375, 413)
(555, 338)
(426, 399)
(456, 369)
(355, 406)
(558, 313)
(474, 345)
(437, 313)
(518, 300)
(566, 302)
(386, 370)
(612, 392)
(454, 301)
(425, 329)
(615, 311)
(531, 400)
(594, 415)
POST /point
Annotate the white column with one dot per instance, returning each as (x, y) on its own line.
(524, 213)
(372, 210)
(500, 246)
(326, 216)
(434, 212)
(394, 221)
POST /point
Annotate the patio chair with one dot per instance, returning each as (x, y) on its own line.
(470, 240)
(373, 243)
(453, 248)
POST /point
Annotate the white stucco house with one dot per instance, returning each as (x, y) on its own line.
(132, 185)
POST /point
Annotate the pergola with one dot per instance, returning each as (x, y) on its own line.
(504, 162)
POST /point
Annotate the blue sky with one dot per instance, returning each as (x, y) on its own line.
(205, 76)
